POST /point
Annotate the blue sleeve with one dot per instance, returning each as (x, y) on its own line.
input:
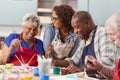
(48, 35)
(8, 42)
(10, 38)
(40, 47)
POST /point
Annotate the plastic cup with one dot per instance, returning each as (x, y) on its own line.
(26, 75)
(44, 77)
(36, 72)
(56, 70)
(44, 66)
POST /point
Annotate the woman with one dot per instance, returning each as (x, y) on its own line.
(23, 48)
(65, 42)
(113, 29)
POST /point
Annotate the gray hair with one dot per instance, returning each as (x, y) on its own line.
(114, 20)
(32, 18)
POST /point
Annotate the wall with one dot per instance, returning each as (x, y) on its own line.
(45, 8)
(100, 9)
(6, 30)
(12, 11)
(50, 3)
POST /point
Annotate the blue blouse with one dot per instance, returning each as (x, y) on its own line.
(39, 44)
(50, 34)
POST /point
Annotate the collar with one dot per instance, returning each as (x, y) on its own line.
(90, 37)
(69, 37)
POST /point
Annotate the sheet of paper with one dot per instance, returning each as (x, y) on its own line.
(66, 77)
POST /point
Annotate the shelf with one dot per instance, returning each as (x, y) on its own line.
(44, 10)
(45, 19)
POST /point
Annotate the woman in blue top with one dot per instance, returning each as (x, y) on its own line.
(63, 42)
(23, 48)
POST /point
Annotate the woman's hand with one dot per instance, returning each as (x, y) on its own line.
(8, 50)
(49, 50)
(92, 63)
(15, 43)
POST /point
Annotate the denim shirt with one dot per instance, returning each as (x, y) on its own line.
(75, 39)
(50, 34)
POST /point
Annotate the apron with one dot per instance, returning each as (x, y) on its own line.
(27, 56)
(61, 50)
(88, 50)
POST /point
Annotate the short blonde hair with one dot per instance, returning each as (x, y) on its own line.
(32, 18)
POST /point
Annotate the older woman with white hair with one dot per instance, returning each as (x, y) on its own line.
(23, 48)
(113, 29)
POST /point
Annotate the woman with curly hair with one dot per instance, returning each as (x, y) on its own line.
(65, 41)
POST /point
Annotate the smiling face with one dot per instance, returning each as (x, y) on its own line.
(81, 28)
(29, 31)
(83, 24)
(77, 28)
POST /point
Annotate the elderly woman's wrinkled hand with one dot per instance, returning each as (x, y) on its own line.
(15, 43)
(92, 63)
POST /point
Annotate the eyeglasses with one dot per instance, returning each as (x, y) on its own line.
(54, 18)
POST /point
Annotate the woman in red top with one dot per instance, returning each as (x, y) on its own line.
(23, 48)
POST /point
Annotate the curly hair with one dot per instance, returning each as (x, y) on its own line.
(64, 13)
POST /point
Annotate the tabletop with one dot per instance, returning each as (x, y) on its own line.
(26, 72)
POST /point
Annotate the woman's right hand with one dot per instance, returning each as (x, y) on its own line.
(15, 43)
(8, 50)
(49, 50)
(92, 63)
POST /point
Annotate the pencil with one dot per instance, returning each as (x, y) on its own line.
(18, 59)
(31, 58)
(22, 60)
(21, 48)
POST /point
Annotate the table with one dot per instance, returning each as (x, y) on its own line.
(65, 77)
(56, 77)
